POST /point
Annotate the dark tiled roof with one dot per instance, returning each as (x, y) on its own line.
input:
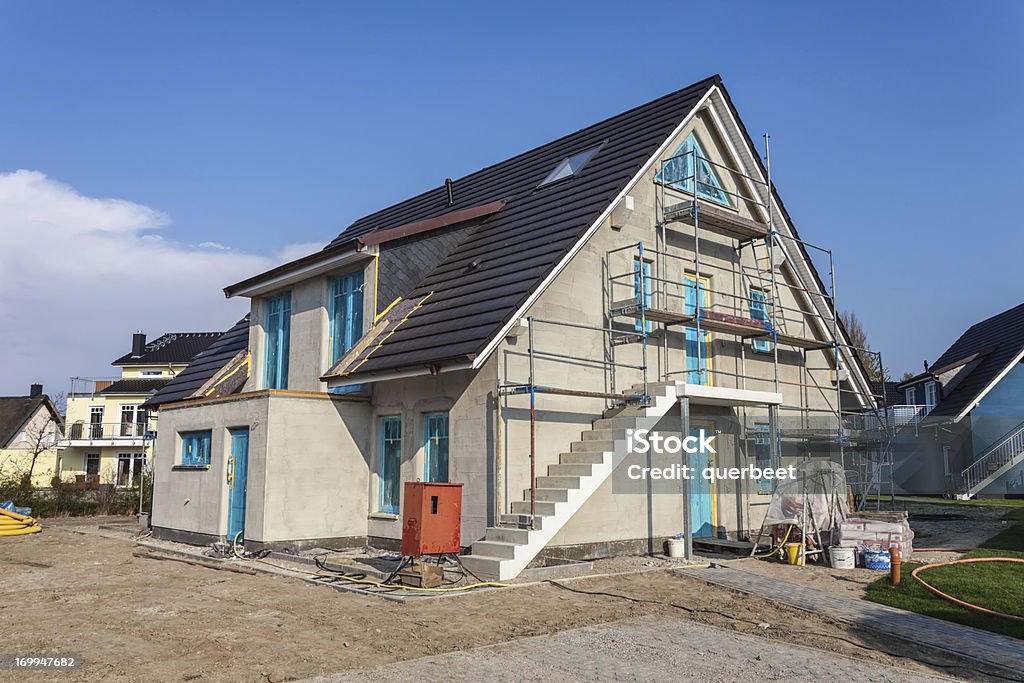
(481, 283)
(173, 347)
(892, 396)
(204, 366)
(15, 411)
(997, 340)
(136, 385)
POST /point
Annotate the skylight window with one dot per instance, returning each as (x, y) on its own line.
(570, 166)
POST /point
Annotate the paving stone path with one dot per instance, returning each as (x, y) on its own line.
(644, 649)
(965, 641)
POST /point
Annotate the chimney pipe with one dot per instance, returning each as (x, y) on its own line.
(926, 366)
(35, 391)
(449, 187)
(138, 343)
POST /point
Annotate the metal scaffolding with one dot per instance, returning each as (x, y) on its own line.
(650, 291)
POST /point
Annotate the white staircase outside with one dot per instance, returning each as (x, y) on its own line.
(993, 463)
(506, 550)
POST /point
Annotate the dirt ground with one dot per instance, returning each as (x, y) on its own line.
(141, 619)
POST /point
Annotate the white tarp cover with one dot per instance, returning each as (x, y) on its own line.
(822, 485)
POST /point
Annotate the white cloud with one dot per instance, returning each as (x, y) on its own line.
(79, 274)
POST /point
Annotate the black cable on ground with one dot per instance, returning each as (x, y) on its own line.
(701, 610)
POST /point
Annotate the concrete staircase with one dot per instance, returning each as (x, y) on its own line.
(507, 549)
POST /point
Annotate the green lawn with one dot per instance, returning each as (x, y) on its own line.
(984, 502)
(995, 585)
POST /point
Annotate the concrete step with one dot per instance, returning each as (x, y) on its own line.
(571, 470)
(506, 535)
(483, 566)
(592, 446)
(609, 434)
(522, 507)
(548, 495)
(489, 548)
(581, 457)
(556, 482)
(518, 522)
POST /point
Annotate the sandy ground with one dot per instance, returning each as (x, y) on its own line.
(646, 649)
(142, 619)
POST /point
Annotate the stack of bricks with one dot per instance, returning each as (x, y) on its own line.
(877, 531)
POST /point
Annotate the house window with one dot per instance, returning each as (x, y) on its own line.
(390, 464)
(278, 330)
(92, 464)
(436, 447)
(346, 313)
(698, 364)
(152, 373)
(570, 166)
(931, 395)
(642, 288)
(911, 396)
(679, 172)
(763, 454)
(759, 312)
(133, 420)
(96, 422)
(129, 469)
(195, 448)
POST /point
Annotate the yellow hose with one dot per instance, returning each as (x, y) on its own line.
(13, 524)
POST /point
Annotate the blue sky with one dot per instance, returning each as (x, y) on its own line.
(249, 131)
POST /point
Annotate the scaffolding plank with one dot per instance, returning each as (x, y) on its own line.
(712, 321)
(717, 219)
(525, 389)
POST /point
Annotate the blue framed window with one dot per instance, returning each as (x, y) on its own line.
(759, 312)
(763, 454)
(278, 330)
(436, 447)
(346, 313)
(195, 448)
(697, 359)
(390, 464)
(679, 172)
(642, 288)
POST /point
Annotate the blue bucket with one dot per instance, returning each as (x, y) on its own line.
(877, 560)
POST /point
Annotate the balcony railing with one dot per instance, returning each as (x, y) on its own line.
(86, 431)
(893, 417)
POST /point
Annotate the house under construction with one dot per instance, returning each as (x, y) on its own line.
(505, 330)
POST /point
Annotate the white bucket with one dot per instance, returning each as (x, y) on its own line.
(842, 558)
(676, 547)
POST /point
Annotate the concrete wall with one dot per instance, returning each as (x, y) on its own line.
(194, 500)
(469, 400)
(307, 471)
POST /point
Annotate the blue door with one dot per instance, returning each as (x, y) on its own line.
(701, 492)
(238, 467)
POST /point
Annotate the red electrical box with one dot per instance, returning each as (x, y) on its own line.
(431, 518)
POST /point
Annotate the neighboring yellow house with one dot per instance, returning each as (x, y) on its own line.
(30, 427)
(108, 438)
